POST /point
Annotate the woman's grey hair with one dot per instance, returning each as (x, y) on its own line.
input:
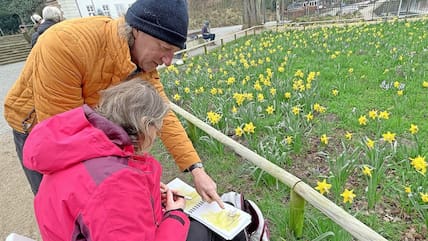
(52, 13)
(125, 32)
(135, 106)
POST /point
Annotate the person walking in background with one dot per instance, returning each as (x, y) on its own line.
(83, 56)
(206, 32)
(109, 185)
(36, 19)
(51, 15)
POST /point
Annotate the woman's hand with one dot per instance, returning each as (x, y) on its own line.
(173, 202)
(163, 189)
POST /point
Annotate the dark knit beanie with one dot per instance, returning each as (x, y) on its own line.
(166, 20)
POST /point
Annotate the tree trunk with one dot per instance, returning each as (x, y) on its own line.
(252, 13)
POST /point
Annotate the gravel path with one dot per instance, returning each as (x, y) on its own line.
(16, 199)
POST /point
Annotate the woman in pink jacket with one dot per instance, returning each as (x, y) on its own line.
(95, 185)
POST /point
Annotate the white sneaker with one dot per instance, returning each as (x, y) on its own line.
(179, 62)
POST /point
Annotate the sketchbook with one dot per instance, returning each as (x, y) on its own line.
(226, 222)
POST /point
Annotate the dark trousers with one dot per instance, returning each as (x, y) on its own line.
(33, 177)
(198, 232)
(210, 36)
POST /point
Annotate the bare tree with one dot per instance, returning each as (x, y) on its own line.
(253, 14)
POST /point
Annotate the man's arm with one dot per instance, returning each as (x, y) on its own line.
(175, 139)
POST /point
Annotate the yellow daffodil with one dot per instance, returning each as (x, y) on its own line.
(272, 91)
(389, 137)
(177, 97)
(213, 91)
(281, 69)
(350, 70)
(324, 139)
(257, 86)
(319, 108)
(335, 92)
(287, 95)
(425, 84)
(348, 196)
(309, 116)
(249, 127)
(230, 80)
(396, 84)
(260, 97)
(289, 139)
(270, 110)
(408, 189)
(213, 117)
(239, 131)
(311, 76)
(413, 129)
(419, 164)
(362, 120)
(348, 135)
(400, 92)
(234, 109)
(373, 114)
(323, 187)
(295, 110)
(424, 197)
(370, 143)
(367, 171)
(239, 98)
(384, 115)
(299, 73)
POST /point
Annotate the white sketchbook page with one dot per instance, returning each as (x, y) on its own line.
(210, 214)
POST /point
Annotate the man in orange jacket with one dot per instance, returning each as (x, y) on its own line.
(75, 59)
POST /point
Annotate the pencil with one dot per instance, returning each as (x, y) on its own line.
(180, 196)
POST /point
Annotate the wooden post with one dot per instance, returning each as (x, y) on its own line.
(297, 214)
(222, 42)
(205, 49)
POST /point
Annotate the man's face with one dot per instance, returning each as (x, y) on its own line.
(149, 52)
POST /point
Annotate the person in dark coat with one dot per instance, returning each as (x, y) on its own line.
(51, 15)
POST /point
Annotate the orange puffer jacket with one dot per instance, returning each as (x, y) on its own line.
(71, 62)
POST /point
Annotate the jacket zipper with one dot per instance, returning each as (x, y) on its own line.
(153, 211)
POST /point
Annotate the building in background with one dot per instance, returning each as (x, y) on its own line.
(85, 8)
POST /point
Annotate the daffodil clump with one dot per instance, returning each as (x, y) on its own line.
(357, 94)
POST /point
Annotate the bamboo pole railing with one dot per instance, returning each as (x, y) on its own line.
(348, 222)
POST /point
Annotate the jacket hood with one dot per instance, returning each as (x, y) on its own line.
(44, 26)
(72, 137)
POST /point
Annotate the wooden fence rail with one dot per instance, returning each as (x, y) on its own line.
(348, 222)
